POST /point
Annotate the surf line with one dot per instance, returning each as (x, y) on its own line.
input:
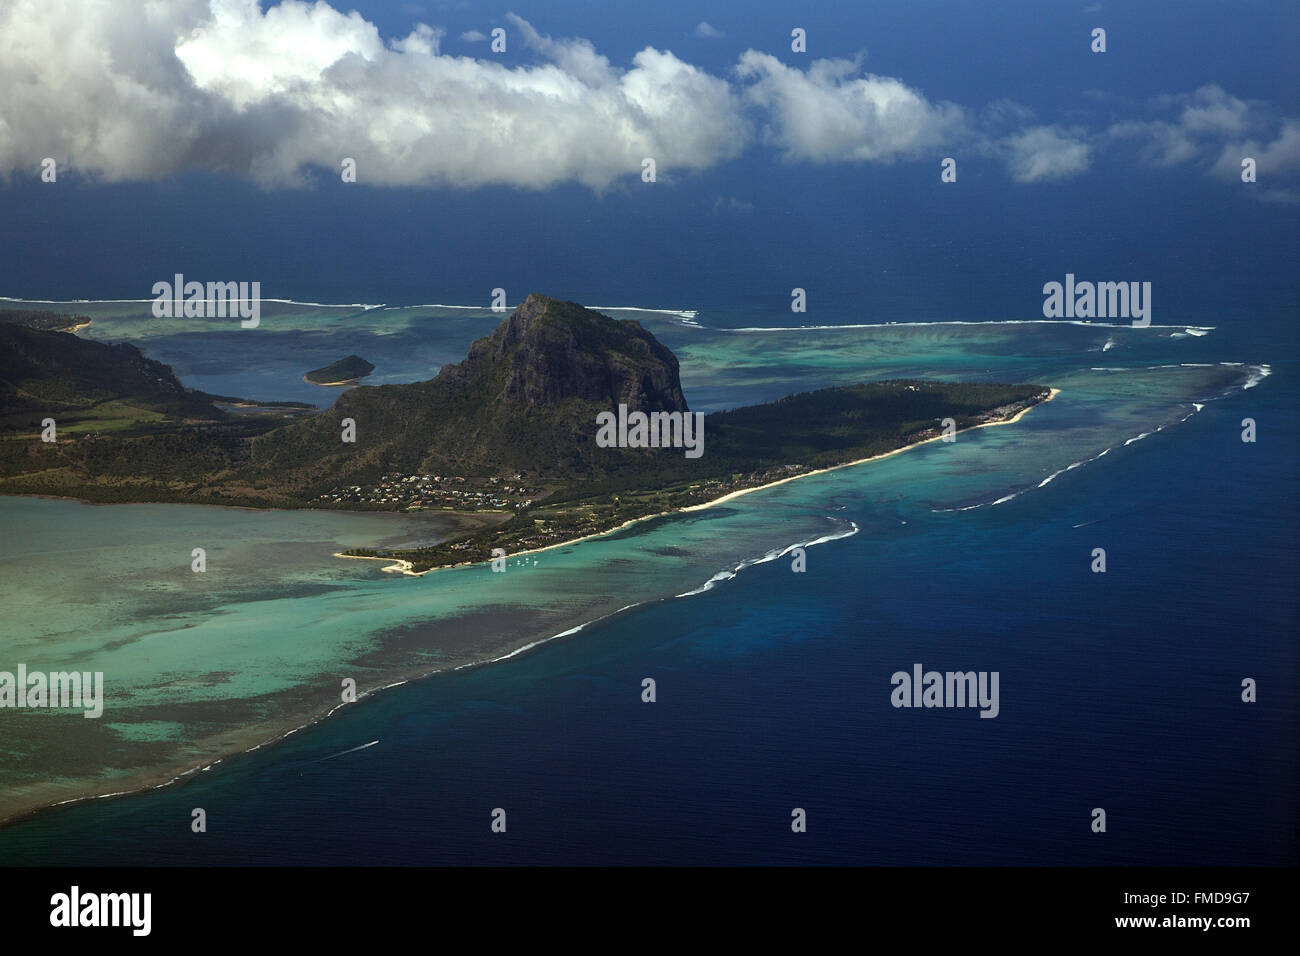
(344, 753)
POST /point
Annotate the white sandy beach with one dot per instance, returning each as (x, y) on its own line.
(402, 566)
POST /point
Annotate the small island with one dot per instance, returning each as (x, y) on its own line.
(347, 371)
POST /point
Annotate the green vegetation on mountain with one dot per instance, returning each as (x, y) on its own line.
(79, 382)
(125, 428)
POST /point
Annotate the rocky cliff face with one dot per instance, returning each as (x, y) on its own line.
(554, 350)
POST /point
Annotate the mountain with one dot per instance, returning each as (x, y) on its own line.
(57, 375)
(526, 397)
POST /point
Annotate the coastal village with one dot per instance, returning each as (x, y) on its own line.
(416, 492)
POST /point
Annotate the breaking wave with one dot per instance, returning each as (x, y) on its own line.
(1256, 375)
(772, 555)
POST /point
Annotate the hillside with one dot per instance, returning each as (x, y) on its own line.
(126, 429)
(76, 381)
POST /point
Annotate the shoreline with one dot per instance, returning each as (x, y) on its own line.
(348, 381)
(862, 461)
(396, 564)
(276, 730)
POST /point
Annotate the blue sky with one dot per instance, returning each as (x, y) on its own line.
(205, 135)
(971, 52)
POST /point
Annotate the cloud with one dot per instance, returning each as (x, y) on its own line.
(1277, 159)
(424, 39)
(245, 57)
(576, 56)
(1211, 110)
(1045, 152)
(1216, 130)
(1004, 113)
(120, 90)
(829, 114)
(732, 204)
(1162, 144)
(707, 32)
(139, 91)
(1204, 116)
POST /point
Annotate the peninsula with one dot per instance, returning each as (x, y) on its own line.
(506, 439)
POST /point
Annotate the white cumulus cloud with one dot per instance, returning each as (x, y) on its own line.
(1275, 159)
(1215, 131)
(144, 89)
(125, 90)
(829, 113)
(1045, 152)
